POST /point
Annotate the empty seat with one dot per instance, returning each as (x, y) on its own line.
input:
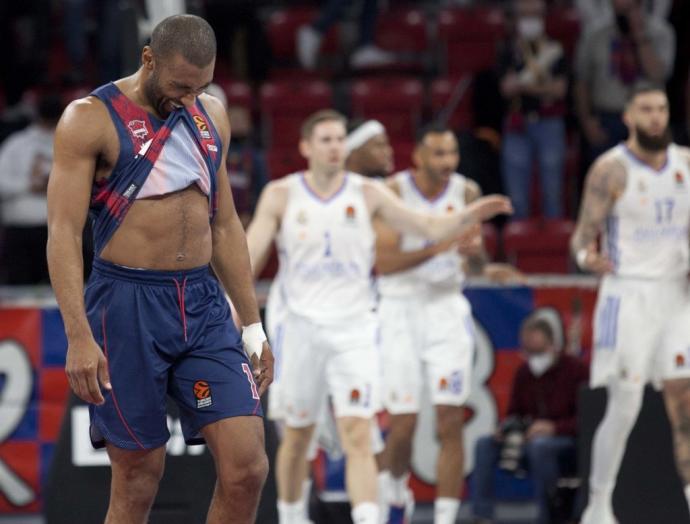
(539, 246)
(456, 91)
(402, 30)
(282, 161)
(395, 102)
(473, 23)
(238, 93)
(282, 26)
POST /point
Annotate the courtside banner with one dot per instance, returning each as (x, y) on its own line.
(34, 389)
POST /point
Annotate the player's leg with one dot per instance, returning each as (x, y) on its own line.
(237, 446)
(450, 467)
(677, 399)
(360, 468)
(134, 483)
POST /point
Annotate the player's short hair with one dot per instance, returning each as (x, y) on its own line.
(643, 87)
(536, 323)
(188, 35)
(325, 115)
(435, 128)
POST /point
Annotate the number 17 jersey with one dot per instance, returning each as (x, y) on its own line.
(646, 232)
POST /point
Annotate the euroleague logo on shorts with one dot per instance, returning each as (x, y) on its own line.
(202, 394)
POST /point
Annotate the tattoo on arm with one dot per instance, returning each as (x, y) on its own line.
(604, 182)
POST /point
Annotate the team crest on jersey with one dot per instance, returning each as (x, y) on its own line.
(350, 213)
(138, 129)
(202, 394)
(202, 126)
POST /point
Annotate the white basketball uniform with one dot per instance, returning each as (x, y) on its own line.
(425, 321)
(638, 333)
(328, 337)
(274, 315)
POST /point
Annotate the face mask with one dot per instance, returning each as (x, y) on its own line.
(530, 27)
(539, 364)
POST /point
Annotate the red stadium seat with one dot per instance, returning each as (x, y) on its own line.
(474, 23)
(282, 26)
(539, 246)
(470, 57)
(563, 24)
(395, 102)
(402, 155)
(238, 93)
(285, 105)
(284, 160)
(402, 30)
(441, 91)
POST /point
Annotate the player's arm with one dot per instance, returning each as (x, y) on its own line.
(605, 181)
(476, 260)
(265, 222)
(79, 140)
(384, 204)
(389, 257)
(230, 260)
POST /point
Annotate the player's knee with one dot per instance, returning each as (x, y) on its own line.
(625, 400)
(247, 477)
(296, 441)
(138, 482)
(402, 426)
(356, 436)
(449, 423)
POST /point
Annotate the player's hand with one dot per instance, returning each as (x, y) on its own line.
(541, 428)
(262, 368)
(469, 242)
(488, 207)
(504, 274)
(595, 262)
(86, 366)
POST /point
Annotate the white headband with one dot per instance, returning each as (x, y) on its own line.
(358, 137)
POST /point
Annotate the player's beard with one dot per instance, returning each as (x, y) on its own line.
(154, 95)
(653, 143)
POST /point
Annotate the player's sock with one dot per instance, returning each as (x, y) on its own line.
(610, 440)
(291, 512)
(306, 493)
(398, 487)
(383, 480)
(365, 513)
(446, 510)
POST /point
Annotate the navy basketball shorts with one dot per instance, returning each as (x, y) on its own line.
(165, 333)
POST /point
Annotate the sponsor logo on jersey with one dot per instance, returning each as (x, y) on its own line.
(138, 129)
(202, 394)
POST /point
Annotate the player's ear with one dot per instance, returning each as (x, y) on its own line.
(304, 148)
(417, 155)
(147, 58)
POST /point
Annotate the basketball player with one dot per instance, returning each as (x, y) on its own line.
(322, 220)
(638, 195)
(369, 151)
(145, 155)
(425, 321)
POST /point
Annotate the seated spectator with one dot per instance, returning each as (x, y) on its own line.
(538, 433)
(533, 83)
(611, 59)
(593, 12)
(26, 159)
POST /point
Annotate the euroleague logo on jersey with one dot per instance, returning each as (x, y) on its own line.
(202, 126)
(202, 394)
(350, 214)
(680, 180)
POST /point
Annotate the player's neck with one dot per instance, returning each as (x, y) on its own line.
(654, 159)
(427, 186)
(324, 183)
(133, 88)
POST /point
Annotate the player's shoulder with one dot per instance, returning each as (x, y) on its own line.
(683, 152)
(610, 163)
(395, 181)
(84, 121)
(217, 112)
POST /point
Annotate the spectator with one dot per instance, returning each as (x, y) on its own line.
(539, 431)
(245, 162)
(593, 12)
(611, 59)
(533, 83)
(366, 54)
(25, 162)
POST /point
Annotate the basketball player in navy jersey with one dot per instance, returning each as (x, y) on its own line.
(145, 155)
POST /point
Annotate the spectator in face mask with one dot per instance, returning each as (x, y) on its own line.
(612, 58)
(533, 84)
(543, 404)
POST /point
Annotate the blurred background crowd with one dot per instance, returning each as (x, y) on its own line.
(534, 90)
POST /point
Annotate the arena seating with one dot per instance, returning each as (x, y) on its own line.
(538, 246)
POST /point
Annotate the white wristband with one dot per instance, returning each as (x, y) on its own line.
(253, 338)
(581, 258)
